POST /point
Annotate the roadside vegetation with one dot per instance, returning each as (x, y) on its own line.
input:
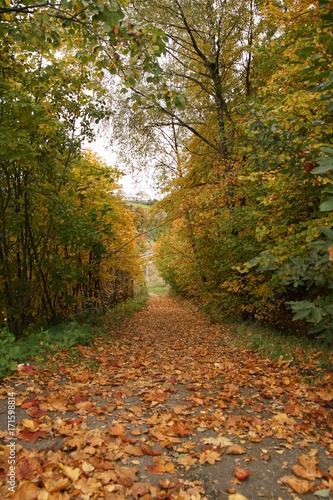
(63, 342)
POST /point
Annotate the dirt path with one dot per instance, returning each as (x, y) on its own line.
(169, 409)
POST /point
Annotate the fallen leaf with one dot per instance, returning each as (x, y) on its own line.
(220, 441)
(241, 474)
(87, 467)
(28, 491)
(117, 430)
(235, 449)
(142, 489)
(32, 437)
(156, 469)
(237, 496)
(322, 493)
(210, 457)
(72, 474)
(54, 485)
(156, 434)
(300, 486)
(187, 461)
(149, 451)
(32, 425)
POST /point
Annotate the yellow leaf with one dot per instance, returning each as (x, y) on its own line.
(237, 496)
(301, 486)
(72, 474)
(87, 467)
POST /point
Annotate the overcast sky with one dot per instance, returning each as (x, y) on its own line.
(129, 184)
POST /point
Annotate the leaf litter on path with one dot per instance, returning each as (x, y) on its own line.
(172, 410)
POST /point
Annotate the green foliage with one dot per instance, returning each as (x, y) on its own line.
(61, 340)
(125, 309)
(300, 143)
(310, 356)
(42, 346)
(10, 353)
(60, 224)
(250, 234)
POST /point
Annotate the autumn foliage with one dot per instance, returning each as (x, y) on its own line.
(67, 241)
(248, 231)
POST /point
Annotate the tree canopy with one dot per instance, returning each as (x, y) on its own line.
(230, 101)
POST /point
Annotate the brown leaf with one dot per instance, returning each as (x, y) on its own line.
(87, 467)
(235, 449)
(149, 451)
(156, 434)
(72, 474)
(301, 486)
(29, 468)
(134, 451)
(117, 430)
(220, 441)
(107, 476)
(187, 461)
(57, 484)
(141, 489)
(156, 469)
(126, 472)
(179, 429)
(241, 474)
(308, 467)
(210, 457)
(28, 491)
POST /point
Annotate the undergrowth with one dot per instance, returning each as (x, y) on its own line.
(115, 316)
(312, 357)
(39, 347)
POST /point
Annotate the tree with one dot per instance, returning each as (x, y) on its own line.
(50, 99)
(207, 71)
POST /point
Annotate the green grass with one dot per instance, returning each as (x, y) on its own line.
(162, 290)
(138, 204)
(115, 316)
(40, 346)
(313, 357)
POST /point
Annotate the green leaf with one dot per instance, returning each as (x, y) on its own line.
(305, 51)
(300, 306)
(322, 493)
(327, 232)
(327, 205)
(326, 164)
(327, 150)
(301, 314)
(253, 262)
(180, 102)
(316, 314)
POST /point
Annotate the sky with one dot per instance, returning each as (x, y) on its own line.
(130, 185)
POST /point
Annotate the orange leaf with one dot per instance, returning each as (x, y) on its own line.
(156, 469)
(180, 429)
(301, 486)
(28, 491)
(117, 430)
(155, 434)
(241, 474)
(57, 485)
(235, 449)
(149, 451)
(32, 437)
